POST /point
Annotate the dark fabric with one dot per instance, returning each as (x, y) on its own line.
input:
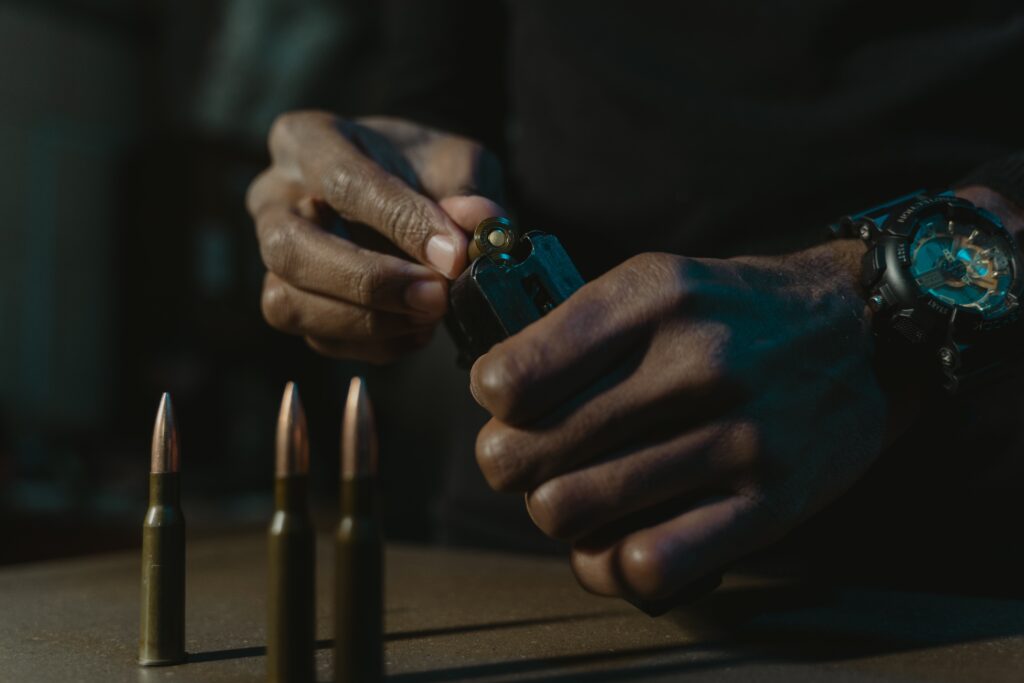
(713, 129)
(1005, 176)
(710, 129)
(442, 63)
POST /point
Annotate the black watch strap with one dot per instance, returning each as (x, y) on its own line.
(988, 365)
(1005, 176)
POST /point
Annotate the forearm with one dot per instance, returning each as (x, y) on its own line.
(1000, 180)
(1011, 213)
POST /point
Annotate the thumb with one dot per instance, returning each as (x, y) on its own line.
(468, 211)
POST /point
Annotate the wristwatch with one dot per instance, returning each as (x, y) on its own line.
(944, 279)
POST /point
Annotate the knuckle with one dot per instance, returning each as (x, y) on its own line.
(496, 458)
(551, 508)
(277, 307)
(320, 347)
(367, 283)
(368, 324)
(287, 124)
(284, 127)
(670, 279)
(330, 349)
(342, 184)
(651, 265)
(629, 480)
(646, 262)
(278, 246)
(771, 507)
(595, 571)
(499, 382)
(711, 365)
(664, 274)
(407, 219)
(744, 438)
(381, 327)
(733, 449)
(743, 445)
(644, 569)
(281, 126)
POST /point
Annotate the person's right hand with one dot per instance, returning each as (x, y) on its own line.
(359, 225)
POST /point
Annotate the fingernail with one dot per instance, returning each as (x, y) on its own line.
(441, 253)
(426, 296)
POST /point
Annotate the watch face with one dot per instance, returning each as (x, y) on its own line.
(965, 263)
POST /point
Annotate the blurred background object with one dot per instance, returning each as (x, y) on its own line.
(128, 266)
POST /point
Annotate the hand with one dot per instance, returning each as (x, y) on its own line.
(676, 414)
(359, 224)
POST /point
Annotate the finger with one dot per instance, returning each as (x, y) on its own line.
(655, 562)
(469, 211)
(272, 186)
(649, 401)
(294, 311)
(305, 256)
(315, 211)
(361, 191)
(552, 359)
(582, 501)
(379, 352)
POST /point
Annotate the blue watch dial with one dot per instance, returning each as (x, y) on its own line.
(963, 264)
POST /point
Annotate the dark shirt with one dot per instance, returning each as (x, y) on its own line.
(710, 129)
(720, 128)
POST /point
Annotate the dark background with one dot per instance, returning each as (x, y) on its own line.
(128, 267)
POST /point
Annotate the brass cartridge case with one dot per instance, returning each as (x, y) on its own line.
(291, 600)
(162, 623)
(359, 589)
(359, 568)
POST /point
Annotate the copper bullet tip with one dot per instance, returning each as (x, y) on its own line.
(165, 455)
(358, 434)
(292, 451)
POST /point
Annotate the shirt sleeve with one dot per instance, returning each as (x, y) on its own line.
(1005, 176)
(441, 63)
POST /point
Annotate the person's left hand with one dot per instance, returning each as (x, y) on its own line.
(675, 414)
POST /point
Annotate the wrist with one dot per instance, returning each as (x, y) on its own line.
(833, 270)
(839, 266)
(847, 254)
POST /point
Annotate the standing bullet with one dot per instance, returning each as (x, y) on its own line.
(359, 591)
(291, 614)
(162, 627)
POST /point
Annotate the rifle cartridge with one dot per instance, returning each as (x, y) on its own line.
(162, 623)
(359, 590)
(291, 602)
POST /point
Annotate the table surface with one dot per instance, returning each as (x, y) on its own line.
(461, 615)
